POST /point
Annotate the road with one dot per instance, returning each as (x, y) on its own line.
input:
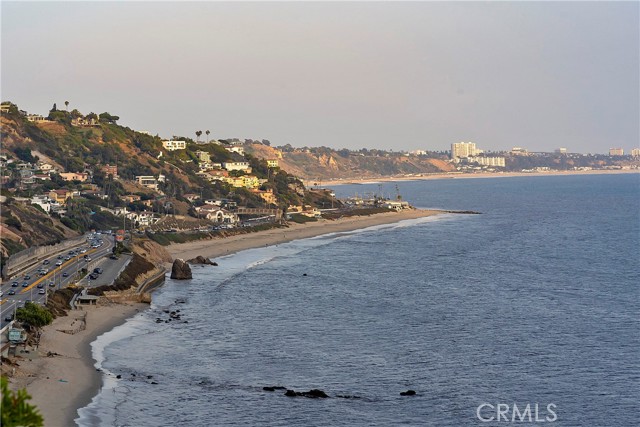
(33, 286)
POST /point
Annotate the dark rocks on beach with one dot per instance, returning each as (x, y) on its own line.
(180, 270)
(200, 260)
(408, 393)
(273, 388)
(118, 376)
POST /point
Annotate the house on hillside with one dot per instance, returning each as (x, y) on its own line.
(75, 176)
(266, 195)
(61, 196)
(217, 214)
(174, 145)
(237, 166)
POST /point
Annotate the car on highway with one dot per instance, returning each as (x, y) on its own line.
(67, 258)
(8, 318)
(27, 277)
(87, 259)
(41, 292)
(71, 253)
(58, 264)
(52, 284)
(11, 292)
(65, 274)
(15, 284)
(59, 256)
(82, 251)
(27, 301)
(45, 262)
(40, 286)
(25, 284)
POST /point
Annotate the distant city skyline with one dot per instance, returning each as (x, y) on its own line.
(385, 75)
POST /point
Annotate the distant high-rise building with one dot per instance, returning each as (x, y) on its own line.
(464, 150)
(561, 150)
(489, 161)
(635, 152)
(616, 152)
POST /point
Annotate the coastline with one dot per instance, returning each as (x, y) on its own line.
(453, 175)
(67, 381)
(213, 248)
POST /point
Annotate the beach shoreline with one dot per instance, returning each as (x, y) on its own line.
(453, 175)
(217, 247)
(67, 380)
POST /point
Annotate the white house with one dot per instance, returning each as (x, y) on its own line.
(174, 145)
(237, 166)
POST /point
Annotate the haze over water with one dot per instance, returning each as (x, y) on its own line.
(534, 301)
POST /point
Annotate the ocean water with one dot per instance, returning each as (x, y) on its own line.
(535, 301)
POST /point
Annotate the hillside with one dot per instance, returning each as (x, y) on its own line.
(325, 163)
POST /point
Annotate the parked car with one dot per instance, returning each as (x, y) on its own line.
(93, 276)
(97, 270)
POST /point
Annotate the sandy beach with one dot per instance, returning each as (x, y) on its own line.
(66, 381)
(220, 247)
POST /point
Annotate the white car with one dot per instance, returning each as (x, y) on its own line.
(58, 264)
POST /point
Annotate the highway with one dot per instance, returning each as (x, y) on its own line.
(33, 284)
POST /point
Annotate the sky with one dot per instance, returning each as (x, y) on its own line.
(387, 75)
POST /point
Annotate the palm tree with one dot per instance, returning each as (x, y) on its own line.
(207, 132)
(66, 104)
(198, 133)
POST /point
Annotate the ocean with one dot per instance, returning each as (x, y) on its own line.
(534, 304)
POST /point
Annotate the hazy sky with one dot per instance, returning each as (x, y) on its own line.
(391, 75)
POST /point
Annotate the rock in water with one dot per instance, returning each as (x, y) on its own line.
(180, 270)
(408, 393)
(200, 260)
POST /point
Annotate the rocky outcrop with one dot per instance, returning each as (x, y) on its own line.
(408, 393)
(180, 270)
(201, 260)
(313, 394)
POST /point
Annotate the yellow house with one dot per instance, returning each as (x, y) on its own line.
(272, 163)
(267, 196)
(60, 196)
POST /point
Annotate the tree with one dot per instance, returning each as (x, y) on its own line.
(66, 105)
(198, 133)
(207, 132)
(34, 315)
(15, 409)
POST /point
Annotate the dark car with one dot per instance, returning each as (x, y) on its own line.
(25, 284)
(9, 318)
(11, 292)
(27, 277)
(45, 262)
(93, 276)
(65, 274)
(97, 270)
(15, 284)
(59, 256)
(40, 286)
